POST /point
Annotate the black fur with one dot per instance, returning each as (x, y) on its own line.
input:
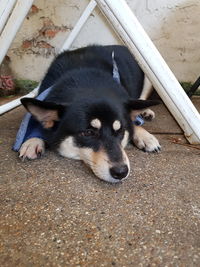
(84, 89)
(96, 58)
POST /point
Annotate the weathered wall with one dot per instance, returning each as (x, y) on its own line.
(173, 25)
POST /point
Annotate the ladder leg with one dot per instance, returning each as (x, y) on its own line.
(131, 32)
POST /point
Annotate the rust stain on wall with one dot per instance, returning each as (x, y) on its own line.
(40, 43)
(49, 30)
(34, 10)
(36, 47)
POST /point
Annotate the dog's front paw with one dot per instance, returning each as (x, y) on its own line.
(145, 141)
(32, 149)
(148, 114)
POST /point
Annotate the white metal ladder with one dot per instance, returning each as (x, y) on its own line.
(133, 35)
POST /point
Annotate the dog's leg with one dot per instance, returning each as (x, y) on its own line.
(32, 148)
(147, 114)
(147, 89)
(145, 141)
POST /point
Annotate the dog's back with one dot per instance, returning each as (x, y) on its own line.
(98, 58)
(88, 111)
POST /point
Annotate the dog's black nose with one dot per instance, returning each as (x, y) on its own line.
(119, 172)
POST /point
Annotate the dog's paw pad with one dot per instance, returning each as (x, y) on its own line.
(33, 148)
(148, 114)
(147, 142)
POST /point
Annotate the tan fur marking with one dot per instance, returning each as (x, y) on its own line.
(100, 163)
(31, 148)
(148, 112)
(147, 89)
(116, 125)
(97, 161)
(46, 117)
(68, 149)
(124, 141)
(48, 124)
(96, 123)
(144, 140)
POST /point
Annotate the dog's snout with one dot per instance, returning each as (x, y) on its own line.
(119, 172)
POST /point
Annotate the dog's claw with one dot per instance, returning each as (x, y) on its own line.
(31, 149)
(148, 114)
(147, 117)
(22, 158)
(156, 150)
(146, 141)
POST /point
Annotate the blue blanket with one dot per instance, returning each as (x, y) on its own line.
(30, 128)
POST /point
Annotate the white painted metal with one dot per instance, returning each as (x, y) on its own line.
(73, 34)
(12, 26)
(128, 27)
(15, 103)
(132, 33)
(6, 7)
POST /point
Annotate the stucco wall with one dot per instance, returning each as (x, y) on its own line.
(173, 25)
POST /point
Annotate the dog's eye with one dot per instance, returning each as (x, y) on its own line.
(88, 132)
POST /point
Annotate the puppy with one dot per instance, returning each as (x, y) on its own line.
(96, 94)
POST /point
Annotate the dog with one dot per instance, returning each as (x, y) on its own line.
(96, 94)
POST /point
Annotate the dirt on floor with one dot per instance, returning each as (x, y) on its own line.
(55, 212)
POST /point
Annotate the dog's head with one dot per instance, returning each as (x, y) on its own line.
(93, 131)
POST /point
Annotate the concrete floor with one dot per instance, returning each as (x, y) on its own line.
(54, 212)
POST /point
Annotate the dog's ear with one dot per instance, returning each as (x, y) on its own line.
(138, 104)
(45, 112)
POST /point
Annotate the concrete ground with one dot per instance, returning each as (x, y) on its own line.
(55, 212)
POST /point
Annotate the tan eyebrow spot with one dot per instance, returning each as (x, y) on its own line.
(116, 125)
(96, 123)
(124, 141)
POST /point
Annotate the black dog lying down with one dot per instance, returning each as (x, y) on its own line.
(89, 112)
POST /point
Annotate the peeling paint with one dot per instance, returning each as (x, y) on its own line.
(39, 45)
(34, 10)
(49, 30)
(173, 26)
(36, 47)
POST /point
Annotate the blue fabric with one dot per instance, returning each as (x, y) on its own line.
(116, 76)
(138, 120)
(29, 126)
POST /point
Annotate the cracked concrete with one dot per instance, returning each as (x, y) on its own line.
(54, 212)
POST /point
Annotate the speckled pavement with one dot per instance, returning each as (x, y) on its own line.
(55, 212)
